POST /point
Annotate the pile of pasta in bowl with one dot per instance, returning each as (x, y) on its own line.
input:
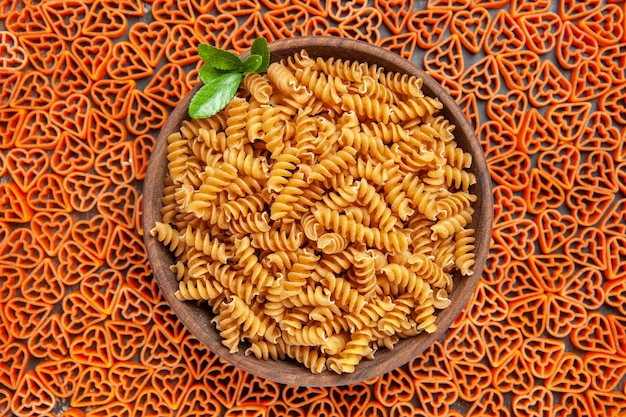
(321, 215)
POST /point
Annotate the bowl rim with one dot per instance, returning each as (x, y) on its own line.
(285, 372)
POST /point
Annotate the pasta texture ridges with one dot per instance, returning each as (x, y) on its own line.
(323, 215)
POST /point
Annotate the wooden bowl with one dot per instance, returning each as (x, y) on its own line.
(197, 319)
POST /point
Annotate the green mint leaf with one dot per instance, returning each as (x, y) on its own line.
(221, 75)
(207, 73)
(260, 47)
(214, 95)
(219, 58)
(252, 63)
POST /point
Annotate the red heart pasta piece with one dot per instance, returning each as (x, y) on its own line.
(511, 170)
(560, 164)
(600, 134)
(32, 397)
(518, 238)
(128, 63)
(536, 134)
(172, 384)
(171, 11)
(144, 114)
(508, 109)
(529, 314)
(228, 379)
(436, 395)
(91, 348)
(491, 401)
(588, 206)
(536, 403)
(102, 289)
(569, 118)
(574, 46)
(130, 306)
(92, 54)
(166, 319)
(555, 229)
(168, 85)
(24, 316)
(552, 271)
(150, 39)
(69, 77)
(471, 26)
(465, 343)
(22, 249)
(116, 162)
(128, 379)
(49, 195)
(471, 379)
(199, 398)
(482, 79)
(65, 17)
(160, 351)
(125, 249)
(111, 97)
(606, 371)
(589, 81)
(446, 58)
(78, 314)
(26, 166)
(27, 20)
(543, 355)
(217, 30)
(75, 262)
(182, 46)
(395, 14)
(431, 364)
(513, 375)
(585, 287)
(125, 338)
(93, 388)
(605, 25)
(394, 387)
(542, 31)
(43, 283)
(595, 336)
(50, 341)
(14, 358)
(84, 189)
(60, 376)
(570, 375)
(104, 21)
(43, 50)
(486, 305)
(33, 92)
(430, 26)
(501, 341)
(563, 315)
(549, 86)
(504, 34)
(362, 25)
(71, 155)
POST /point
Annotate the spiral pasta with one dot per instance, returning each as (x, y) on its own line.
(321, 215)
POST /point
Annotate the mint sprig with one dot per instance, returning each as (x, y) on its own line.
(221, 73)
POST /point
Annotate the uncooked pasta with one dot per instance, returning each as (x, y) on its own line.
(322, 214)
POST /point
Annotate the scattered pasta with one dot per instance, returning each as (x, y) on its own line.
(322, 214)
